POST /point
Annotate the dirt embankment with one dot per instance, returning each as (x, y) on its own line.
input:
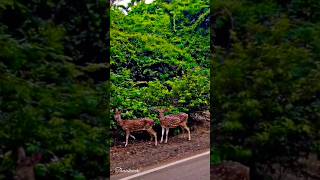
(141, 153)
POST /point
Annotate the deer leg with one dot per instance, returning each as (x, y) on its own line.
(183, 132)
(153, 133)
(162, 132)
(133, 137)
(189, 136)
(156, 139)
(167, 133)
(151, 137)
(127, 138)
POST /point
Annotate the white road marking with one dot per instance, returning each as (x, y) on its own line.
(164, 166)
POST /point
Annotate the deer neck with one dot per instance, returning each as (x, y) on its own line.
(161, 116)
(119, 120)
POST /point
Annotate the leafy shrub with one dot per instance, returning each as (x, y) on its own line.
(50, 87)
(266, 97)
(159, 59)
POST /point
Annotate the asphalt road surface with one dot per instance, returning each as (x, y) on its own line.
(192, 168)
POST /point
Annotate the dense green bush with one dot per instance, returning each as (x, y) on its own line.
(52, 86)
(160, 58)
(266, 89)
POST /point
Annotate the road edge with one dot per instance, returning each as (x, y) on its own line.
(164, 166)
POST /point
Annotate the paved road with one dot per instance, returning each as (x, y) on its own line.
(194, 169)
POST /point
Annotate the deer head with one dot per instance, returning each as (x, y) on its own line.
(161, 112)
(25, 165)
(117, 115)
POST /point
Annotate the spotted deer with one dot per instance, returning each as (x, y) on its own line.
(172, 121)
(142, 124)
(25, 165)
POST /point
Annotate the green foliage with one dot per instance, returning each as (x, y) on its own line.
(266, 92)
(52, 89)
(159, 58)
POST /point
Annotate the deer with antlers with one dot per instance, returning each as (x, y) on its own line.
(142, 124)
(172, 121)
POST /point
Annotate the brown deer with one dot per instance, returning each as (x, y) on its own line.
(172, 121)
(142, 124)
(25, 165)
